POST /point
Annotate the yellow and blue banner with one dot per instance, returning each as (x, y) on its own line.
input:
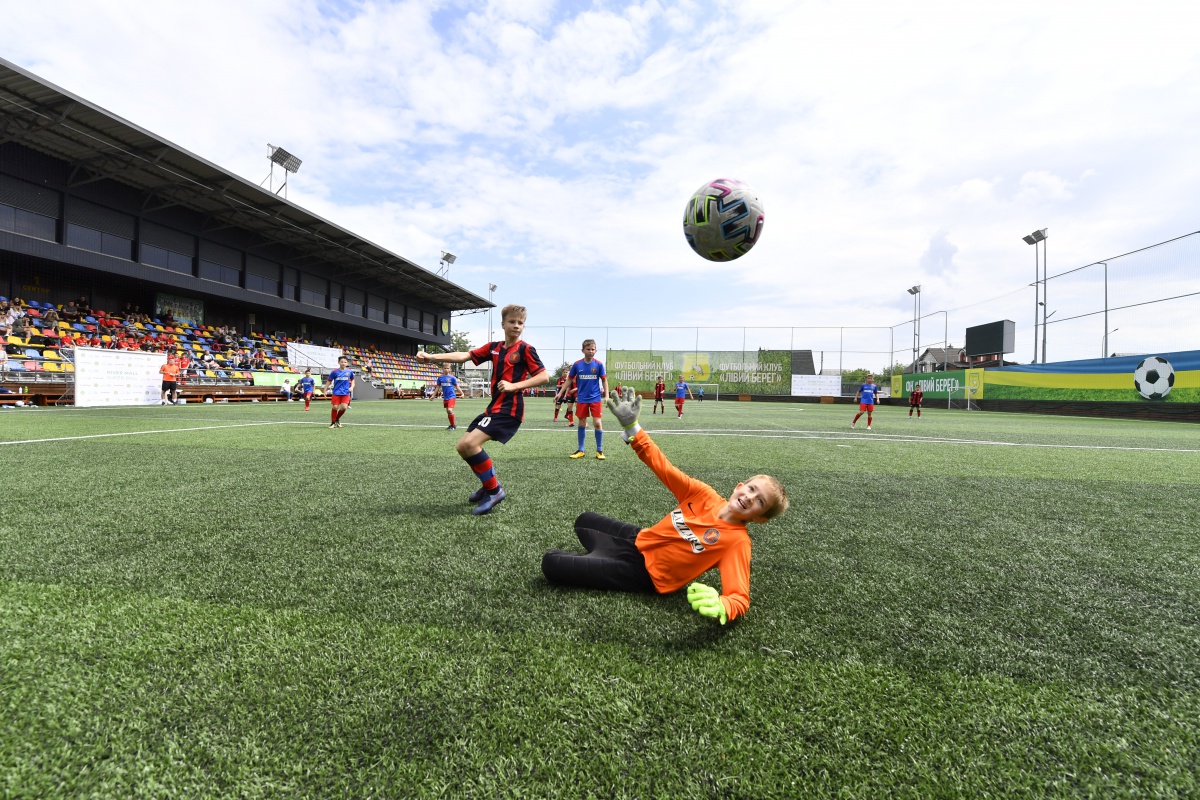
(1160, 377)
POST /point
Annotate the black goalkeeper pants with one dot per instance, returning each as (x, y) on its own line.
(612, 560)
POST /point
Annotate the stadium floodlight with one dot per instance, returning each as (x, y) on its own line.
(284, 159)
(1033, 238)
(448, 258)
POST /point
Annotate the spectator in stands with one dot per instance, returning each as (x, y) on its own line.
(208, 361)
(66, 345)
(285, 389)
(3, 360)
(260, 360)
(22, 329)
(70, 312)
(50, 319)
(7, 315)
(95, 340)
(85, 308)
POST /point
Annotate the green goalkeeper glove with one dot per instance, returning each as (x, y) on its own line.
(626, 407)
(707, 601)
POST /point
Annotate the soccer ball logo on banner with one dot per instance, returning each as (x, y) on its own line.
(1154, 378)
(723, 220)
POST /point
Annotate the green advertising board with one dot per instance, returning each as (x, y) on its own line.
(940, 385)
(755, 372)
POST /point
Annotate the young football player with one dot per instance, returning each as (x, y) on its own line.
(865, 397)
(590, 381)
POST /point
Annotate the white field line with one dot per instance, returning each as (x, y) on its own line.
(747, 433)
(140, 433)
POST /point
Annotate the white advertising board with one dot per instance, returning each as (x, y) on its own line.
(816, 385)
(304, 356)
(117, 377)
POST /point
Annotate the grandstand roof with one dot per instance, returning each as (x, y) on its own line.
(51, 120)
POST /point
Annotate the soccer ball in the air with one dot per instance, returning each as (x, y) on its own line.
(1154, 378)
(723, 220)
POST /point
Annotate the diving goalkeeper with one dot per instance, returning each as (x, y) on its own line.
(703, 531)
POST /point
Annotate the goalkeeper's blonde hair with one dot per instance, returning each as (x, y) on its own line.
(781, 499)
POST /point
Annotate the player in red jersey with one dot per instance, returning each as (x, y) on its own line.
(659, 388)
(914, 401)
(559, 396)
(515, 368)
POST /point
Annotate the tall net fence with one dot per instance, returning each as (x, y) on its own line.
(1141, 302)
(1145, 301)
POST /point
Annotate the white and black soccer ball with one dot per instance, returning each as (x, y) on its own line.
(1154, 377)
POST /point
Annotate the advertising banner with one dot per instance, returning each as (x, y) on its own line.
(179, 308)
(1163, 377)
(940, 385)
(117, 377)
(310, 355)
(758, 372)
(816, 385)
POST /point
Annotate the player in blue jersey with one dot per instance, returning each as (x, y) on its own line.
(341, 387)
(305, 386)
(865, 397)
(682, 390)
(588, 378)
(449, 386)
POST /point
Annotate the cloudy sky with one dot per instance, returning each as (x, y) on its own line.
(552, 147)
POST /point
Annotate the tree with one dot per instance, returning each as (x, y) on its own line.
(459, 342)
(894, 369)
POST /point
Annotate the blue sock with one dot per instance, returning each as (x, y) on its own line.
(599, 441)
(582, 432)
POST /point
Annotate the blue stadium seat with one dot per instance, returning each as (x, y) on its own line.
(34, 304)
(31, 352)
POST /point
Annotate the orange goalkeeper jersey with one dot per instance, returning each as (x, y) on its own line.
(692, 538)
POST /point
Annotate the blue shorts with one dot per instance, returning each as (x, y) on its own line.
(499, 428)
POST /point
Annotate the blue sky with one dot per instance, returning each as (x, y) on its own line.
(552, 147)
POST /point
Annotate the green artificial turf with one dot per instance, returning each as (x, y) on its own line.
(236, 601)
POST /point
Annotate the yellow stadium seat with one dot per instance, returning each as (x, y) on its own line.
(51, 366)
(68, 367)
(52, 355)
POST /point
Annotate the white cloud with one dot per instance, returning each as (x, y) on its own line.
(546, 144)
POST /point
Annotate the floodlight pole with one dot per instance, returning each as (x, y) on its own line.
(491, 305)
(1033, 239)
(1106, 330)
(1045, 292)
(1037, 298)
(1105, 345)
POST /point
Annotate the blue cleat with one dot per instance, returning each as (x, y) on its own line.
(477, 495)
(489, 502)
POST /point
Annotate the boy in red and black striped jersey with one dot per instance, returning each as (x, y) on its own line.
(515, 368)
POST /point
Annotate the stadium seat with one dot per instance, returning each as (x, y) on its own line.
(90, 319)
(16, 366)
(222, 374)
(16, 340)
(34, 304)
(79, 326)
(31, 366)
(32, 353)
(51, 366)
(68, 367)
(51, 355)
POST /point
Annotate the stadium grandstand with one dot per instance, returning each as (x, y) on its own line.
(167, 252)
